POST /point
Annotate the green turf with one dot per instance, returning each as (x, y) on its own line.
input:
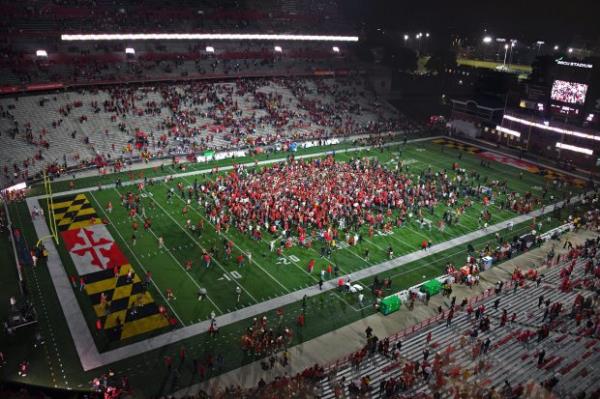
(261, 280)
(268, 275)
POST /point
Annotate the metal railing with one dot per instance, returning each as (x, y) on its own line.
(14, 247)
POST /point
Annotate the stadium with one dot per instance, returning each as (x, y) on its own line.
(295, 199)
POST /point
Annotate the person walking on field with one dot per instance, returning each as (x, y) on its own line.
(161, 242)
(170, 295)
(238, 293)
(311, 265)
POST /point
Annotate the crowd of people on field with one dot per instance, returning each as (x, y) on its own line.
(324, 199)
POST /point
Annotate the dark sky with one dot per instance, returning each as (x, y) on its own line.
(550, 20)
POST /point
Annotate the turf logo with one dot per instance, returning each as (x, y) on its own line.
(74, 212)
(92, 249)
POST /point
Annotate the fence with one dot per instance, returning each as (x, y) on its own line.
(419, 326)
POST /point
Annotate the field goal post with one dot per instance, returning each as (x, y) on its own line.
(50, 207)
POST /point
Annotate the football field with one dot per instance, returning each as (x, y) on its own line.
(179, 266)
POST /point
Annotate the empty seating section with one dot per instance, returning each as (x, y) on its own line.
(572, 351)
(80, 127)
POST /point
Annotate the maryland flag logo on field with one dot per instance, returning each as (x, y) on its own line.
(92, 249)
(456, 145)
(123, 304)
(74, 212)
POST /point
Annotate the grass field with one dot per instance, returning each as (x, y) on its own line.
(266, 277)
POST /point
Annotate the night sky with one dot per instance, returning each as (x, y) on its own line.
(551, 20)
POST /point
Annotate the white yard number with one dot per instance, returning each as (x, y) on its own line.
(384, 233)
(146, 195)
(342, 245)
(234, 274)
(285, 260)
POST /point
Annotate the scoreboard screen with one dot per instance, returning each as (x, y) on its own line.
(569, 92)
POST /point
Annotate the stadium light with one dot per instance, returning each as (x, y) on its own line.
(406, 37)
(41, 53)
(210, 49)
(556, 47)
(573, 148)
(506, 47)
(510, 132)
(130, 51)
(278, 49)
(335, 49)
(205, 36)
(546, 126)
(487, 39)
(570, 50)
(427, 34)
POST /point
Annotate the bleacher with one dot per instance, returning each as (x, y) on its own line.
(571, 354)
(268, 111)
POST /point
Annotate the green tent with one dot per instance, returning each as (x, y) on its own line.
(209, 154)
(389, 304)
(432, 287)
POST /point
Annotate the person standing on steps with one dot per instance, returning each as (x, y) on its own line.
(541, 356)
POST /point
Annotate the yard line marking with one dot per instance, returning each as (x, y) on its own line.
(182, 268)
(416, 232)
(296, 263)
(407, 245)
(429, 265)
(373, 243)
(234, 244)
(203, 249)
(136, 258)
